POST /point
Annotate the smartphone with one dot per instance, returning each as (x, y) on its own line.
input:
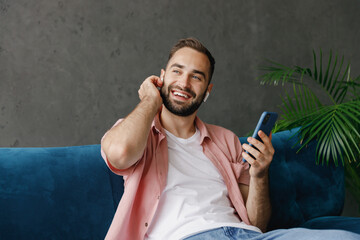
(266, 123)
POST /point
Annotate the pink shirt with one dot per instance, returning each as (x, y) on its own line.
(145, 181)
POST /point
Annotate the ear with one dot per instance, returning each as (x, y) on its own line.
(208, 92)
(162, 74)
(210, 87)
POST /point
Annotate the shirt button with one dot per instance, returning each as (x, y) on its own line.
(146, 224)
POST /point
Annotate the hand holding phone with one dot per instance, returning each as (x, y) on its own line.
(266, 123)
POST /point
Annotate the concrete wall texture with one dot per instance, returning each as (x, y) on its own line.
(70, 69)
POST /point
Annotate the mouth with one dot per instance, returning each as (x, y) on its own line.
(181, 95)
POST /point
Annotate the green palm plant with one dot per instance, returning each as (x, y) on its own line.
(334, 124)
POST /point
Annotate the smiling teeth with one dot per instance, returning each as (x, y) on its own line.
(180, 94)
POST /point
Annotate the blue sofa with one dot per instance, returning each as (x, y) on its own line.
(69, 193)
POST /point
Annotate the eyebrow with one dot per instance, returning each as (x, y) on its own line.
(194, 71)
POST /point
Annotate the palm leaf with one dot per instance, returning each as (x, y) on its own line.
(335, 127)
(335, 86)
(277, 73)
(336, 130)
(354, 88)
(296, 109)
(328, 83)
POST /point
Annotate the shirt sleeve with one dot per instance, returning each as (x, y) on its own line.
(122, 172)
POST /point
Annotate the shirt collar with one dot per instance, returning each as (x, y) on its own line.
(204, 133)
(156, 125)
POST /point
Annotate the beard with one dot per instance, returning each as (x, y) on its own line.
(180, 108)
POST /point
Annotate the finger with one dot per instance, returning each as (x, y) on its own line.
(156, 81)
(266, 140)
(256, 143)
(148, 87)
(248, 158)
(251, 150)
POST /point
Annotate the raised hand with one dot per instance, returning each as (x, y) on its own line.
(263, 155)
(149, 90)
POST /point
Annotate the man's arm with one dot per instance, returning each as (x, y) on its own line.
(257, 195)
(124, 144)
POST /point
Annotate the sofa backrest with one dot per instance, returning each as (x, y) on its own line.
(69, 193)
(56, 193)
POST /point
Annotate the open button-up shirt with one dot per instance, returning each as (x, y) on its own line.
(145, 181)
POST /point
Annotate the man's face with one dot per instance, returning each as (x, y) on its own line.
(185, 81)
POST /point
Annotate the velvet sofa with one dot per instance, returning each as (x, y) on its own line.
(69, 193)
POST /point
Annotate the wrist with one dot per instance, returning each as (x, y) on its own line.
(263, 177)
(152, 103)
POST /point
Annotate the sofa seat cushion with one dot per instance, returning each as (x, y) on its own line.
(351, 224)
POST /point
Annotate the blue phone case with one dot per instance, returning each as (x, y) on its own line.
(266, 123)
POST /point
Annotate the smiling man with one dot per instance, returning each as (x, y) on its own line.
(185, 101)
(185, 179)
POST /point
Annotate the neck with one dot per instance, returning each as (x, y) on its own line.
(182, 127)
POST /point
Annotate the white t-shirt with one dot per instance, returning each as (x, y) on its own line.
(195, 198)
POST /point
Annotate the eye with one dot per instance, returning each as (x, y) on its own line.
(176, 71)
(196, 77)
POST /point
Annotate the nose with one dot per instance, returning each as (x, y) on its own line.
(184, 81)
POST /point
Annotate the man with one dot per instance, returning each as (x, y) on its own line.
(184, 178)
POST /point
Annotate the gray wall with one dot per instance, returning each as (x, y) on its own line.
(70, 69)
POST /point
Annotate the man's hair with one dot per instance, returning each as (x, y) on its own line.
(196, 45)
